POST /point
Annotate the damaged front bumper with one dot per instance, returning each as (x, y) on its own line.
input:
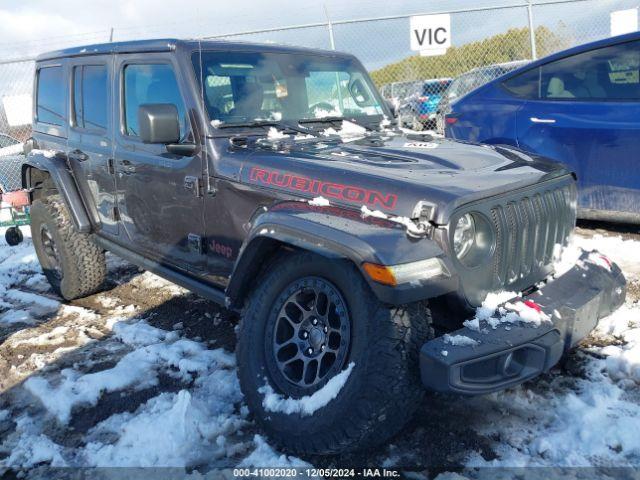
(503, 353)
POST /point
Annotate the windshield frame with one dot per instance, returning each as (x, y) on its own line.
(196, 54)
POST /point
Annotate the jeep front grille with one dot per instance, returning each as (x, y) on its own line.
(528, 229)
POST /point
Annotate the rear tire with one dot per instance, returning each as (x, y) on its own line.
(13, 236)
(383, 388)
(73, 264)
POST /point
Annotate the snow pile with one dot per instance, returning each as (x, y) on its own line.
(526, 312)
(35, 449)
(624, 252)
(460, 341)
(622, 360)
(595, 423)
(38, 304)
(491, 303)
(319, 202)
(492, 314)
(275, 134)
(305, 406)
(348, 132)
(184, 428)
(139, 368)
(264, 456)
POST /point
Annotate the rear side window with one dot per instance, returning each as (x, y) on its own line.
(525, 85)
(150, 83)
(90, 96)
(609, 73)
(50, 96)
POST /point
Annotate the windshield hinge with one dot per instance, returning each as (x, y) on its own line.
(424, 212)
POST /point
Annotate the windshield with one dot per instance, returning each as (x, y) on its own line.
(243, 87)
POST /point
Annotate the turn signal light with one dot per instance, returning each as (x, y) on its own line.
(394, 275)
(380, 273)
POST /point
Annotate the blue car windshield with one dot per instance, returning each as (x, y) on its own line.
(244, 87)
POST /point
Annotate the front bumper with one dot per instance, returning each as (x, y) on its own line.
(508, 354)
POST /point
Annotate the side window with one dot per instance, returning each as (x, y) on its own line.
(150, 83)
(609, 73)
(50, 96)
(90, 96)
(525, 85)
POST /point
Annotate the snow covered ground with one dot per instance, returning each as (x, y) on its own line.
(144, 374)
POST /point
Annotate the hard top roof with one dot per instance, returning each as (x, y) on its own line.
(172, 44)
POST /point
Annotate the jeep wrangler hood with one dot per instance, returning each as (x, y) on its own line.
(394, 173)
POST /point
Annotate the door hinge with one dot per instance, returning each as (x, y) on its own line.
(211, 189)
(110, 167)
(195, 243)
(115, 214)
(194, 184)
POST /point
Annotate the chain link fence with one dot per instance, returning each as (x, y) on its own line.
(486, 43)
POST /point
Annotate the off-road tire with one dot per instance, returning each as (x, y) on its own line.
(81, 262)
(383, 389)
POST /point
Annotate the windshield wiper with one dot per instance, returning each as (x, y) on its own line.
(268, 123)
(254, 123)
(321, 120)
(335, 119)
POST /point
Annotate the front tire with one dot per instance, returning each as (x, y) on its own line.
(73, 264)
(381, 345)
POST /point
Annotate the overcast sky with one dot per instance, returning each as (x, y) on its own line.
(40, 19)
(33, 26)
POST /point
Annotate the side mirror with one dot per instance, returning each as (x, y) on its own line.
(392, 107)
(158, 123)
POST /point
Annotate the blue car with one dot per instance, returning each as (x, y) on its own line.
(420, 108)
(580, 107)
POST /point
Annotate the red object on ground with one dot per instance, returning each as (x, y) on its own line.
(17, 199)
(534, 305)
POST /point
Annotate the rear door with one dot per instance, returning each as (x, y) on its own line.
(160, 207)
(90, 138)
(587, 116)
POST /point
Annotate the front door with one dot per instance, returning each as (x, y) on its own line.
(90, 139)
(160, 207)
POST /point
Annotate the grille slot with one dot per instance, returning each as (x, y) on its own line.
(527, 229)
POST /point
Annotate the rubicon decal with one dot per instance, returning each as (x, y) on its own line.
(339, 191)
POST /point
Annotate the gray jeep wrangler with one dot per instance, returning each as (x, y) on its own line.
(273, 181)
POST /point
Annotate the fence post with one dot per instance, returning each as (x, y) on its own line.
(532, 32)
(332, 40)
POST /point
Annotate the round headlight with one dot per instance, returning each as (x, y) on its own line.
(473, 239)
(464, 235)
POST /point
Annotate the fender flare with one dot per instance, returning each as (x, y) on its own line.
(63, 180)
(334, 233)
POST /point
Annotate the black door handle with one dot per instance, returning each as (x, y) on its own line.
(78, 156)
